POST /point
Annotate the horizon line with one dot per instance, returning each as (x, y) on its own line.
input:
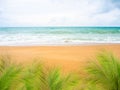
(50, 26)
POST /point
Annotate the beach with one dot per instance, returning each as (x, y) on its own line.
(59, 45)
(69, 48)
(68, 58)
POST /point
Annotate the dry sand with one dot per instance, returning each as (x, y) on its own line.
(69, 58)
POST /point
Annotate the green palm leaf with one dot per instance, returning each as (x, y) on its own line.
(105, 72)
(56, 81)
(33, 78)
(8, 73)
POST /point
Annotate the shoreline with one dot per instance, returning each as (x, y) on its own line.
(61, 45)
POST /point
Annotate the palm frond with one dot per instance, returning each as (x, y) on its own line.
(33, 77)
(8, 73)
(105, 71)
(57, 81)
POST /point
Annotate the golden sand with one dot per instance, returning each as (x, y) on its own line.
(69, 58)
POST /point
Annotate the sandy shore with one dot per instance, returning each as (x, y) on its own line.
(69, 58)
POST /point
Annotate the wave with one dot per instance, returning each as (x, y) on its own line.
(58, 35)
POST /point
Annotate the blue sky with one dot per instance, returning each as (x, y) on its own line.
(59, 13)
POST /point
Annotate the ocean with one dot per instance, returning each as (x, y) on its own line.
(29, 36)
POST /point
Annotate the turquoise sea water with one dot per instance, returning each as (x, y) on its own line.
(20, 36)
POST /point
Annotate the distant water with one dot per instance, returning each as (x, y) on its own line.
(20, 36)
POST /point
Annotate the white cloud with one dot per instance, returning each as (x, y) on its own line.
(59, 12)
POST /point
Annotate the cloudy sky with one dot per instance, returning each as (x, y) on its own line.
(59, 12)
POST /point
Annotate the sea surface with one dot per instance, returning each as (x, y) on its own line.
(23, 36)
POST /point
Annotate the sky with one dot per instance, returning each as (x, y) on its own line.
(59, 13)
